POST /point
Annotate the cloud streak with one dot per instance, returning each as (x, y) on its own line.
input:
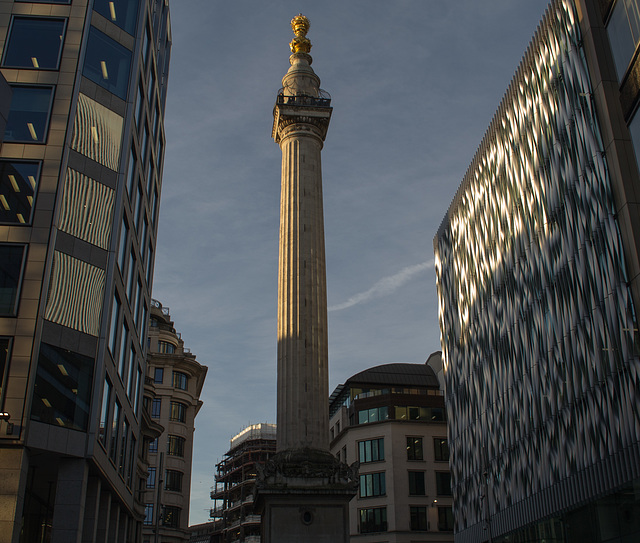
(385, 286)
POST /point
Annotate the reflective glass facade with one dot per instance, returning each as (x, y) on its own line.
(538, 325)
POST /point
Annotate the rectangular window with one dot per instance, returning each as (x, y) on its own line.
(124, 435)
(107, 63)
(104, 412)
(132, 460)
(418, 517)
(414, 448)
(124, 338)
(18, 188)
(623, 29)
(158, 375)
(5, 349)
(153, 446)
(29, 114)
(148, 514)
(151, 478)
(180, 380)
(156, 406)
(35, 42)
(114, 431)
(171, 516)
(113, 329)
(374, 414)
(371, 450)
(440, 449)
(123, 13)
(122, 250)
(175, 446)
(372, 484)
(131, 172)
(165, 347)
(416, 483)
(132, 373)
(373, 520)
(443, 483)
(173, 480)
(178, 412)
(12, 257)
(62, 393)
(137, 401)
(445, 519)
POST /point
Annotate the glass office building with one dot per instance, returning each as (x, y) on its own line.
(80, 181)
(538, 282)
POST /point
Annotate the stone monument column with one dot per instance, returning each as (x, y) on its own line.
(303, 491)
(301, 119)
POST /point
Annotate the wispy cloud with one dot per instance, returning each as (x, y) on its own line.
(385, 286)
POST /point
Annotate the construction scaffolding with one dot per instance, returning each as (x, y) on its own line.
(235, 481)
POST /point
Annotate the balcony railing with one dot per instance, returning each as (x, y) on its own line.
(323, 100)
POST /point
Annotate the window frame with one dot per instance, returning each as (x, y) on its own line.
(178, 412)
(417, 486)
(178, 378)
(45, 131)
(369, 443)
(438, 444)
(65, 23)
(13, 312)
(38, 166)
(415, 448)
(416, 519)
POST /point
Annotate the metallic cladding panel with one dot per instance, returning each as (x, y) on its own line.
(538, 329)
(86, 211)
(97, 132)
(75, 294)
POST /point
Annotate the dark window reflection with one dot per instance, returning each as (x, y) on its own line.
(123, 13)
(11, 260)
(35, 43)
(63, 388)
(18, 184)
(29, 114)
(107, 63)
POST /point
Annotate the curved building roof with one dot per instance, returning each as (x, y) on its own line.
(399, 374)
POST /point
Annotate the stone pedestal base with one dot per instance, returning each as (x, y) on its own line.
(303, 496)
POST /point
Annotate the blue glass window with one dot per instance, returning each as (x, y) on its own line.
(29, 114)
(624, 33)
(18, 183)
(107, 63)
(123, 13)
(35, 43)
(62, 394)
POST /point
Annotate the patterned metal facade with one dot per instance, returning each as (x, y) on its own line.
(538, 328)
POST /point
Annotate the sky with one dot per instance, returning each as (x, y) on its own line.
(414, 86)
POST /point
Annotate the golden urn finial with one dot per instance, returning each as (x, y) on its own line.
(300, 26)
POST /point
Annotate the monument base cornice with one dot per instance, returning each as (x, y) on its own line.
(303, 495)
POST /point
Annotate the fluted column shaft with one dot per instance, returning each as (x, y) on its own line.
(302, 294)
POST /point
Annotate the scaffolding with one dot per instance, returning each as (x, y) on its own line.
(235, 481)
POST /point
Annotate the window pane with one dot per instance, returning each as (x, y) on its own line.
(443, 483)
(156, 406)
(158, 375)
(151, 478)
(18, 186)
(5, 345)
(623, 31)
(11, 262)
(104, 412)
(107, 63)
(29, 114)
(123, 13)
(62, 393)
(179, 380)
(35, 43)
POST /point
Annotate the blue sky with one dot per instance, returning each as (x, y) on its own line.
(414, 86)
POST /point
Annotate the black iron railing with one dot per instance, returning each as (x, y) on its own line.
(322, 100)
